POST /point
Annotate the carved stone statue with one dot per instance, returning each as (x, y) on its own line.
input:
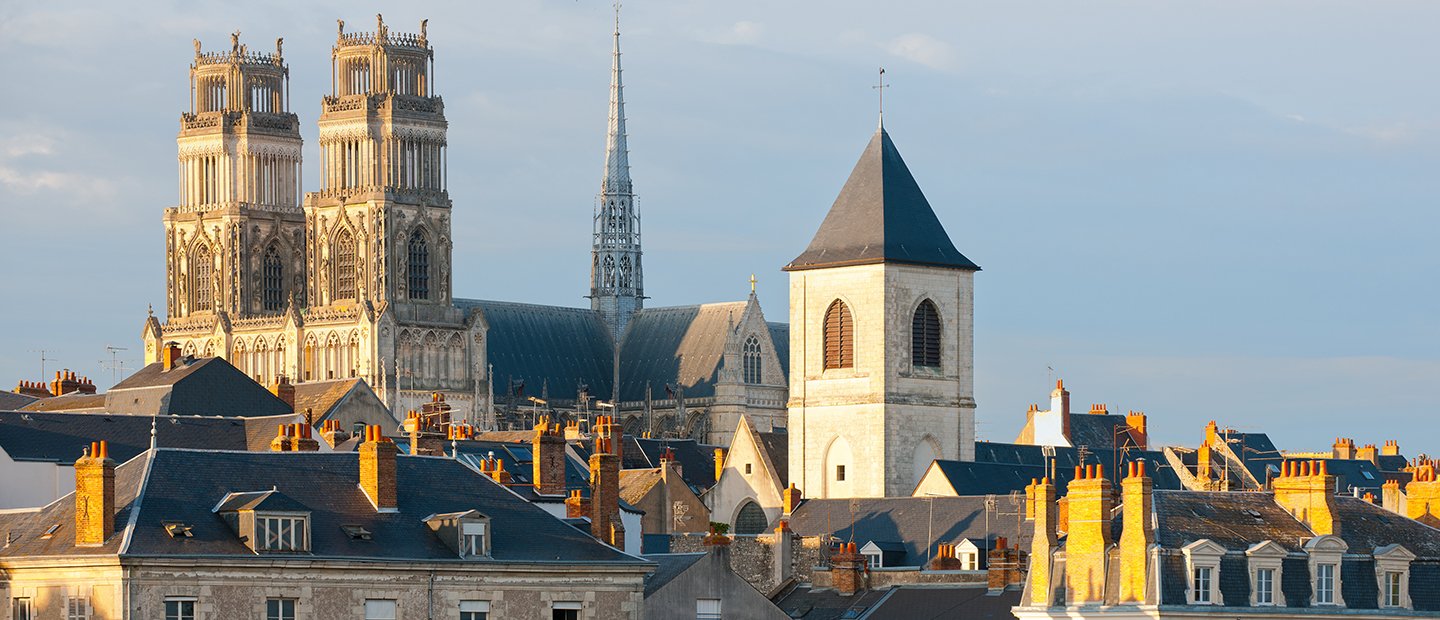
(279, 47)
(235, 42)
(340, 29)
(197, 46)
(424, 24)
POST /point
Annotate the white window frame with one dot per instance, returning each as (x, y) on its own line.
(1202, 584)
(1326, 551)
(1266, 555)
(1393, 560)
(474, 607)
(708, 609)
(19, 603)
(469, 539)
(179, 602)
(82, 612)
(282, 532)
(1203, 554)
(1326, 582)
(373, 603)
(294, 605)
(968, 554)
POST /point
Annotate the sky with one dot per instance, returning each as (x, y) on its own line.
(1201, 210)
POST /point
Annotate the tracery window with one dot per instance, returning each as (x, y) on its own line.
(272, 276)
(751, 519)
(609, 281)
(625, 272)
(752, 360)
(925, 336)
(419, 282)
(345, 266)
(202, 270)
(839, 338)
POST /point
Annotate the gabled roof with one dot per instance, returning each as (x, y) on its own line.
(635, 484)
(60, 437)
(203, 386)
(271, 500)
(775, 447)
(1065, 460)
(74, 401)
(881, 216)
(680, 345)
(906, 520)
(668, 566)
(320, 397)
(697, 460)
(10, 400)
(550, 348)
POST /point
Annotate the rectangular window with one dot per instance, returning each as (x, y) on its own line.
(179, 609)
(21, 609)
(474, 610)
(280, 609)
(565, 610)
(1325, 584)
(969, 561)
(707, 609)
(1392, 589)
(280, 533)
(77, 608)
(1264, 586)
(839, 473)
(747, 469)
(1201, 584)
(472, 538)
(379, 609)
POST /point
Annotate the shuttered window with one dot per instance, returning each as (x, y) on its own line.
(839, 337)
(925, 336)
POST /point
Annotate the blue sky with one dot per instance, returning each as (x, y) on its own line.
(1200, 210)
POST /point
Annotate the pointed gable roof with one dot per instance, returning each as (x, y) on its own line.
(881, 216)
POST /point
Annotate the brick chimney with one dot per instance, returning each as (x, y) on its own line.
(548, 464)
(1307, 491)
(1344, 448)
(1137, 423)
(790, 499)
(1137, 535)
(1368, 452)
(719, 463)
(781, 566)
(605, 485)
(94, 496)
(303, 438)
(1042, 546)
(170, 357)
(1422, 495)
(1391, 498)
(281, 442)
(1002, 565)
(1391, 448)
(377, 469)
(35, 389)
(284, 390)
(332, 433)
(495, 468)
(944, 558)
(1099, 409)
(1088, 539)
(576, 506)
(847, 570)
(66, 382)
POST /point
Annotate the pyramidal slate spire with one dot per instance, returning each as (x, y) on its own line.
(881, 216)
(617, 285)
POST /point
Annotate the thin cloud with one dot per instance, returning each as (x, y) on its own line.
(925, 50)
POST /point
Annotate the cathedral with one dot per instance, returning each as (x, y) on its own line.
(355, 279)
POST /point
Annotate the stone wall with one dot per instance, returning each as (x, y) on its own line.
(753, 557)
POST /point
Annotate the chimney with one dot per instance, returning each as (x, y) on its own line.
(1203, 467)
(790, 499)
(332, 433)
(1087, 541)
(1002, 565)
(605, 485)
(1367, 452)
(284, 390)
(781, 566)
(944, 558)
(572, 431)
(1212, 434)
(1307, 491)
(281, 442)
(847, 570)
(548, 458)
(170, 357)
(35, 389)
(377, 469)
(65, 382)
(495, 469)
(94, 496)
(86, 386)
(303, 439)
(1136, 421)
(1391, 448)
(1137, 535)
(1422, 495)
(1344, 448)
(1042, 547)
(576, 506)
(1060, 405)
(1099, 409)
(668, 465)
(719, 463)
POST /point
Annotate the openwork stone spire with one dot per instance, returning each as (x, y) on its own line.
(616, 282)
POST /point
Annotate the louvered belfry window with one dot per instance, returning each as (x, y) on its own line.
(925, 336)
(273, 280)
(839, 337)
(419, 267)
(345, 266)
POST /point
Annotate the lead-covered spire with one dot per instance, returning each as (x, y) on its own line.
(617, 284)
(617, 156)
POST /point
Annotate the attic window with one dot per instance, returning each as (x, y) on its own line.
(1368, 475)
(467, 533)
(355, 532)
(50, 531)
(473, 538)
(281, 533)
(177, 529)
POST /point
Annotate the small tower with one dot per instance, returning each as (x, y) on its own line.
(881, 342)
(233, 242)
(617, 283)
(380, 224)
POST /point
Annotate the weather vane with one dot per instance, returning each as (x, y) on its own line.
(880, 88)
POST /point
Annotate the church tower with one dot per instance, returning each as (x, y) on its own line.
(379, 228)
(881, 339)
(234, 243)
(617, 283)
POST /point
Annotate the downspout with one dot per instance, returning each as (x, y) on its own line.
(430, 597)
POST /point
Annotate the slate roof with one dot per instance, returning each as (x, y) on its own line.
(74, 401)
(1183, 517)
(320, 397)
(10, 401)
(780, 335)
(636, 483)
(183, 485)
(1099, 432)
(974, 602)
(668, 566)
(1065, 461)
(776, 445)
(550, 348)
(519, 461)
(908, 521)
(697, 460)
(203, 386)
(881, 216)
(682, 345)
(809, 603)
(60, 437)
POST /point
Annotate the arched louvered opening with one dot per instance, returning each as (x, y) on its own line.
(751, 519)
(839, 337)
(419, 280)
(202, 271)
(925, 336)
(272, 281)
(344, 266)
(752, 361)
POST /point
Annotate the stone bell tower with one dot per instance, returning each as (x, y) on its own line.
(234, 243)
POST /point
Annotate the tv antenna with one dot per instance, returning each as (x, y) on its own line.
(116, 365)
(43, 359)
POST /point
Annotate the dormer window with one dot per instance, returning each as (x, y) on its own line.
(1392, 570)
(267, 521)
(473, 539)
(968, 553)
(1325, 553)
(1202, 558)
(1265, 559)
(280, 533)
(1324, 584)
(467, 533)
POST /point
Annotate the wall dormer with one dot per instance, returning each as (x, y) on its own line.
(1202, 563)
(1392, 572)
(267, 521)
(1265, 559)
(466, 533)
(1325, 553)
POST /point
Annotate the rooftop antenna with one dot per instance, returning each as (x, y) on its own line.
(116, 365)
(880, 88)
(43, 359)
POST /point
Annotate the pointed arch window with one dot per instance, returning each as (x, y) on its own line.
(752, 360)
(345, 265)
(419, 281)
(839, 336)
(272, 281)
(625, 272)
(925, 336)
(202, 271)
